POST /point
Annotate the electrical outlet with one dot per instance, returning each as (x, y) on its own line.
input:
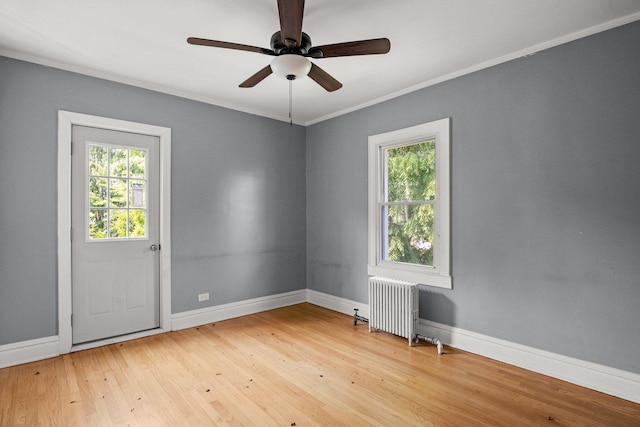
(203, 297)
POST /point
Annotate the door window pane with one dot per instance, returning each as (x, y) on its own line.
(116, 185)
(136, 163)
(117, 193)
(117, 223)
(97, 223)
(137, 194)
(136, 223)
(97, 192)
(118, 161)
(97, 160)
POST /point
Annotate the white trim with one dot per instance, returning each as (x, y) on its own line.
(28, 351)
(615, 382)
(436, 280)
(341, 305)
(66, 120)
(189, 319)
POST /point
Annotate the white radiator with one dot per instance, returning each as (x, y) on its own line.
(393, 307)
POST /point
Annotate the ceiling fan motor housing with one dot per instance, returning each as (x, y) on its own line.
(281, 48)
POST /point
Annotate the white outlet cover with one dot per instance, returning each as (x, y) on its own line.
(203, 297)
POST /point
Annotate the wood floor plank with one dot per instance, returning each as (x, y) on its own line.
(301, 365)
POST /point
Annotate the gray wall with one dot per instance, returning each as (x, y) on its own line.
(238, 207)
(545, 199)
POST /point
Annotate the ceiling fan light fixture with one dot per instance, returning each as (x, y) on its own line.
(290, 66)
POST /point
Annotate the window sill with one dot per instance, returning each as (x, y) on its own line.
(423, 278)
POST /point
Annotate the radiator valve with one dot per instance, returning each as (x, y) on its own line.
(357, 317)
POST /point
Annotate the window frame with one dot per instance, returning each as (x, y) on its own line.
(437, 275)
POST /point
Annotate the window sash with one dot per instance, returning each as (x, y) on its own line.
(408, 249)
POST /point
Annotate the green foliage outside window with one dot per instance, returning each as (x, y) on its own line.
(112, 212)
(410, 177)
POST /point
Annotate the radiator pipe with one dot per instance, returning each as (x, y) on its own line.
(357, 317)
(430, 340)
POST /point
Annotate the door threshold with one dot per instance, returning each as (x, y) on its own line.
(117, 339)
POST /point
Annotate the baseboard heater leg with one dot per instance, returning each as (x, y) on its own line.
(357, 317)
(430, 340)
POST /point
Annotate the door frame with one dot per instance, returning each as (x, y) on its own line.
(66, 119)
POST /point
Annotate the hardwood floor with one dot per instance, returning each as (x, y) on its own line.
(301, 365)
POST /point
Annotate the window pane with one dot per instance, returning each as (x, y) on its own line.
(411, 172)
(97, 223)
(136, 163)
(118, 193)
(136, 222)
(118, 162)
(409, 234)
(136, 194)
(98, 192)
(97, 160)
(118, 223)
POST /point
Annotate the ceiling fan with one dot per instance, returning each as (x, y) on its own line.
(290, 48)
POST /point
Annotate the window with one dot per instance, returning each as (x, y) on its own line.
(409, 202)
(116, 192)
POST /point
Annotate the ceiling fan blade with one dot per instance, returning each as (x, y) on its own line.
(323, 78)
(228, 45)
(360, 47)
(291, 12)
(257, 77)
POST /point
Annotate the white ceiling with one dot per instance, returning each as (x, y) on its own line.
(143, 42)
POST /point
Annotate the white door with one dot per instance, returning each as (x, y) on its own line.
(115, 233)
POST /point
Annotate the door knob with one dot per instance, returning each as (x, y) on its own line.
(154, 247)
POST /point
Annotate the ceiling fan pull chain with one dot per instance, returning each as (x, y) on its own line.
(290, 102)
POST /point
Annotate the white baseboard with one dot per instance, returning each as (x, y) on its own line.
(341, 305)
(28, 351)
(615, 382)
(189, 319)
(43, 348)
